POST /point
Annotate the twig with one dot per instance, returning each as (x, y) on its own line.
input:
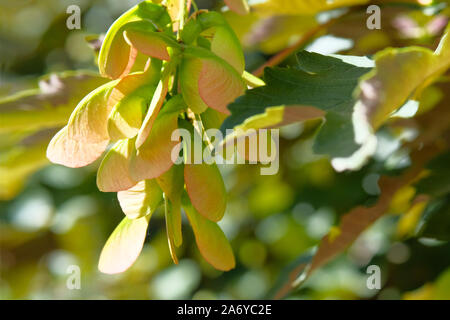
(306, 37)
(282, 55)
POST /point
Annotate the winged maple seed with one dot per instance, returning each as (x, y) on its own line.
(199, 69)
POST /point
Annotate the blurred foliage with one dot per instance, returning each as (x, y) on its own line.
(55, 217)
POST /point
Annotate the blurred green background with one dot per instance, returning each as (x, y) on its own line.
(61, 219)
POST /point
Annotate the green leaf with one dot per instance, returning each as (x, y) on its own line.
(172, 184)
(154, 156)
(85, 137)
(151, 43)
(435, 222)
(29, 119)
(303, 7)
(211, 240)
(50, 105)
(200, 23)
(212, 119)
(414, 68)
(156, 103)
(115, 54)
(204, 183)
(358, 219)
(19, 162)
(113, 174)
(226, 45)
(124, 245)
(320, 82)
(206, 189)
(173, 226)
(437, 182)
(208, 81)
(130, 98)
(238, 6)
(140, 200)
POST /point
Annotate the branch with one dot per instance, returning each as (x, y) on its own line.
(282, 55)
(306, 37)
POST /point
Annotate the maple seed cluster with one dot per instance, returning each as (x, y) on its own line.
(160, 81)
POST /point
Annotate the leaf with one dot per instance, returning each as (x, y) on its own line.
(408, 222)
(288, 276)
(414, 68)
(354, 223)
(173, 226)
(435, 222)
(281, 116)
(140, 200)
(358, 219)
(154, 157)
(212, 119)
(319, 83)
(172, 184)
(50, 105)
(252, 81)
(379, 94)
(113, 174)
(208, 81)
(29, 119)
(17, 163)
(437, 181)
(151, 43)
(206, 189)
(155, 105)
(173, 7)
(85, 137)
(115, 54)
(269, 34)
(226, 45)
(124, 245)
(130, 98)
(204, 183)
(199, 23)
(211, 240)
(303, 7)
(238, 6)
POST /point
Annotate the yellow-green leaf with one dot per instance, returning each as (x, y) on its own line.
(16, 164)
(206, 189)
(140, 200)
(208, 81)
(115, 54)
(204, 183)
(238, 6)
(85, 137)
(414, 68)
(302, 7)
(113, 174)
(211, 240)
(50, 105)
(173, 223)
(172, 184)
(152, 112)
(154, 156)
(226, 45)
(130, 99)
(124, 245)
(150, 43)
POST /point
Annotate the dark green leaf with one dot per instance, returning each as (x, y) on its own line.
(323, 82)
